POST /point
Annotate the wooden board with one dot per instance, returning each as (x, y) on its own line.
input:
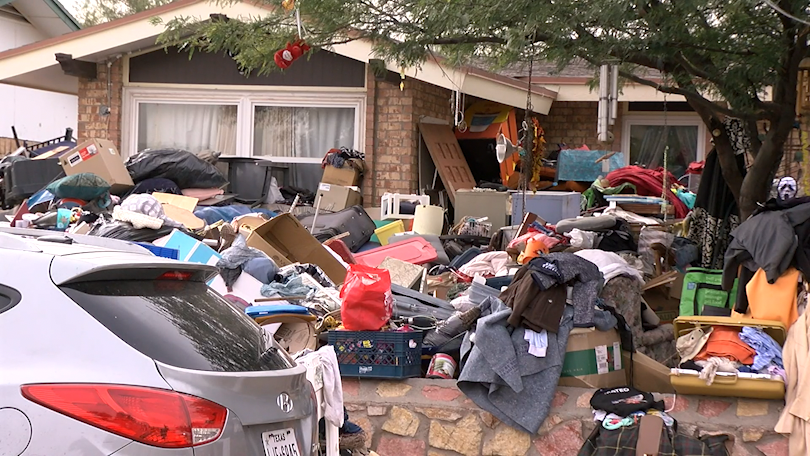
(448, 158)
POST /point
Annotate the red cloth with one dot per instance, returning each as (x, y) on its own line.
(696, 167)
(648, 182)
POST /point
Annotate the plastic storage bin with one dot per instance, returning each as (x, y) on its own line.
(390, 205)
(726, 384)
(415, 250)
(551, 206)
(378, 354)
(383, 233)
(249, 178)
(379, 224)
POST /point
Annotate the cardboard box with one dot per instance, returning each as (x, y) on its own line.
(648, 374)
(337, 197)
(661, 300)
(100, 157)
(286, 241)
(593, 359)
(346, 176)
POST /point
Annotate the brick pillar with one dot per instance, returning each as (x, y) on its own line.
(95, 94)
(574, 123)
(397, 147)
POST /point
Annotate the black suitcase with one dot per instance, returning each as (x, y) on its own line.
(352, 220)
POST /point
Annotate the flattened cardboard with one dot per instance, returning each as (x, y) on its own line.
(286, 241)
(593, 359)
(183, 202)
(100, 157)
(184, 216)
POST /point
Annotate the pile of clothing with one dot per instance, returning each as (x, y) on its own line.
(513, 358)
(748, 352)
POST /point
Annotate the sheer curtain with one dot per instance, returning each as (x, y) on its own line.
(302, 133)
(195, 128)
(647, 144)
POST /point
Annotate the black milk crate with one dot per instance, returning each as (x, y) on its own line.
(379, 354)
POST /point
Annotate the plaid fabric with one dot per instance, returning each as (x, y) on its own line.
(622, 442)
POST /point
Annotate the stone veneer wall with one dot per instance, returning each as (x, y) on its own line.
(419, 417)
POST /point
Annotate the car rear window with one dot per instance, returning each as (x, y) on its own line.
(180, 323)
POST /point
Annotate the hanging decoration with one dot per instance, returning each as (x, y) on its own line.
(538, 152)
(458, 112)
(285, 57)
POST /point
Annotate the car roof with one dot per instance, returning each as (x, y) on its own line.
(76, 256)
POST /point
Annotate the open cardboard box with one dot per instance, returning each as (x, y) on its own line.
(284, 239)
(593, 360)
(664, 295)
(648, 374)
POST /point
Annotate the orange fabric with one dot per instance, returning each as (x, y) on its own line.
(775, 301)
(725, 342)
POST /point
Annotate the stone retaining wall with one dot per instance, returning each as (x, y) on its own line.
(420, 417)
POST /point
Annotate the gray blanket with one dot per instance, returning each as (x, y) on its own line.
(501, 377)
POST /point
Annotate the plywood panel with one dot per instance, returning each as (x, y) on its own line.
(449, 160)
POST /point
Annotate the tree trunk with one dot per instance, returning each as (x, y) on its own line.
(758, 181)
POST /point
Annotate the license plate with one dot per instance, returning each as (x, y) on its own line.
(280, 443)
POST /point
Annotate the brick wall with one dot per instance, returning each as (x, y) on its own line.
(419, 417)
(397, 169)
(574, 123)
(92, 96)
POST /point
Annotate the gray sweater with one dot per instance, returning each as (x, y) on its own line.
(767, 240)
(499, 374)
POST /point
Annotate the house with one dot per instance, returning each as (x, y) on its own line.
(36, 114)
(140, 95)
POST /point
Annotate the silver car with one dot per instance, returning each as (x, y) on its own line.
(106, 349)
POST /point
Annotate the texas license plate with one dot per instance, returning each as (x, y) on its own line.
(280, 443)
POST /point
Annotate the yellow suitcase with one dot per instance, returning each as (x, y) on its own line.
(757, 386)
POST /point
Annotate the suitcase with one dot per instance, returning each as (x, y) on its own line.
(702, 287)
(415, 251)
(352, 220)
(755, 386)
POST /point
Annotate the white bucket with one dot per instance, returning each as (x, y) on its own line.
(428, 220)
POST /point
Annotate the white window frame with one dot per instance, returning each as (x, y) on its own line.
(246, 102)
(677, 119)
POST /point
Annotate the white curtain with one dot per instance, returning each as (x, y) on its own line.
(302, 133)
(196, 128)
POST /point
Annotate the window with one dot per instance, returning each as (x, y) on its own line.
(181, 323)
(192, 127)
(301, 137)
(294, 129)
(644, 141)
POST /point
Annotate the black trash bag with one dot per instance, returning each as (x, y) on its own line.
(126, 232)
(179, 166)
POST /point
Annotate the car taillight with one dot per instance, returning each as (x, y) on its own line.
(157, 417)
(175, 275)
